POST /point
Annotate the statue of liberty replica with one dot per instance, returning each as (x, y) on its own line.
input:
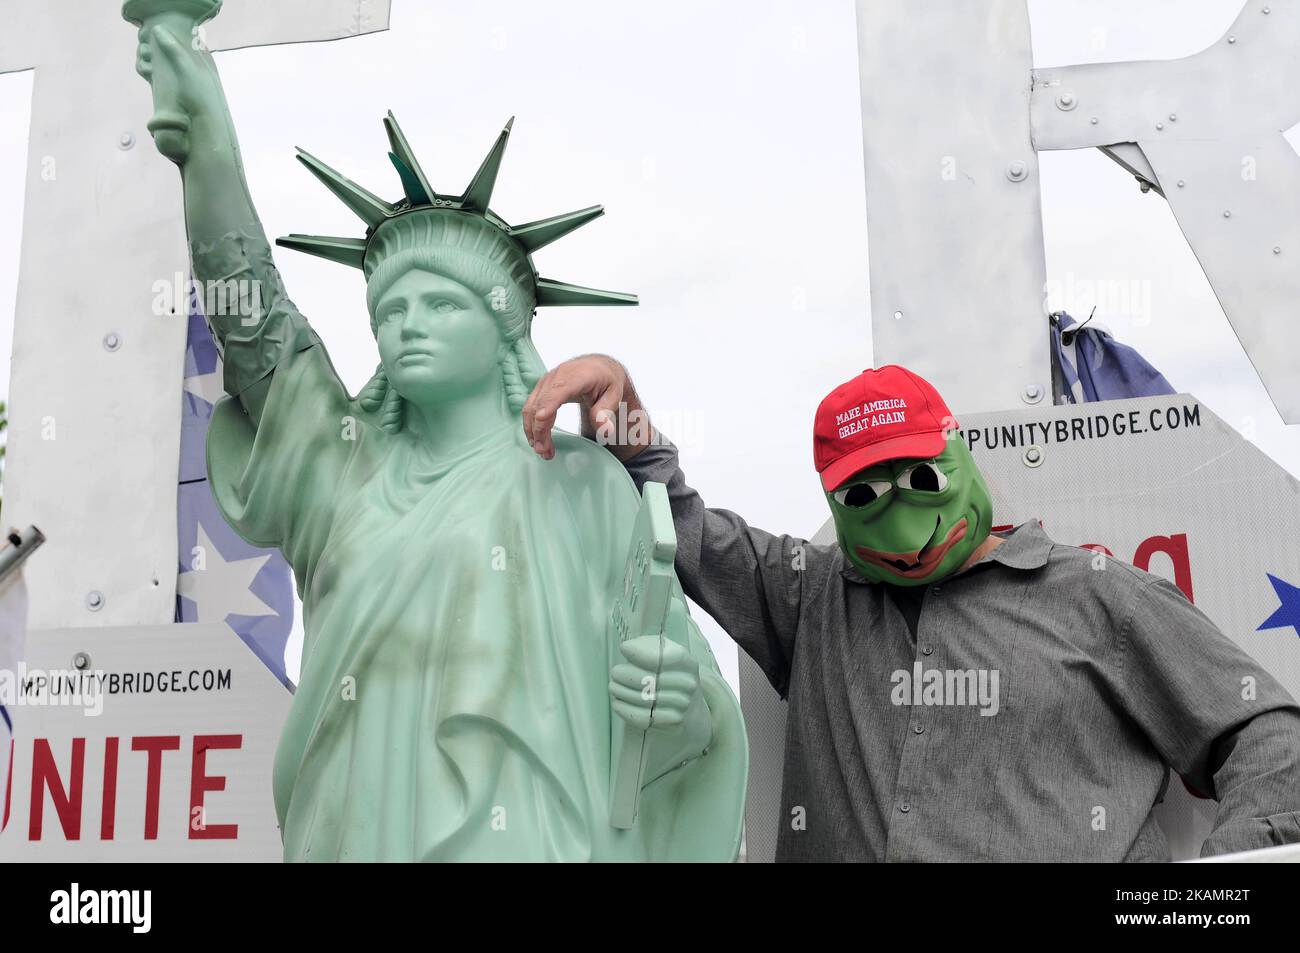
(456, 700)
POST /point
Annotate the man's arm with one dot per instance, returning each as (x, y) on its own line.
(752, 582)
(251, 318)
(1220, 720)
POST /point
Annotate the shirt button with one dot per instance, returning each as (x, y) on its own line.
(926, 650)
(918, 729)
(904, 807)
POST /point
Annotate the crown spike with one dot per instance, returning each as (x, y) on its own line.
(539, 234)
(416, 185)
(479, 193)
(370, 208)
(345, 251)
(556, 293)
(415, 192)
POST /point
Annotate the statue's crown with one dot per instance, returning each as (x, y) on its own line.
(420, 196)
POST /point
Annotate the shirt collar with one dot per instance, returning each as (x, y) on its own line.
(1026, 547)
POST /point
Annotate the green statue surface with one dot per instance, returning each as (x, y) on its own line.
(460, 680)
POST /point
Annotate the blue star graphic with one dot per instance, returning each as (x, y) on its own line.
(1288, 613)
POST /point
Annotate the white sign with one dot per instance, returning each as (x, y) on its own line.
(146, 743)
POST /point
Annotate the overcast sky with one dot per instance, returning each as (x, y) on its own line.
(724, 139)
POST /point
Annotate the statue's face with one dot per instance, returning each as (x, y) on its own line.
(438, 340)
(910, 522)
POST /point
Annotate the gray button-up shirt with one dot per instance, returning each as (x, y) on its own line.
(1035, 716)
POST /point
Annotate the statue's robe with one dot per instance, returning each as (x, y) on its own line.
(453, 702)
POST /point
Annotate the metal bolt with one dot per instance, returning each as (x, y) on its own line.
(1017, 170)
(112, 341)
(81, 661)
(125, 141)
(95, 600)
(1066, 102)
(1032, 393)
(1033, 456)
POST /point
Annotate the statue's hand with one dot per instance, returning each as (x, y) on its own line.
(645, 701)
(187, 97)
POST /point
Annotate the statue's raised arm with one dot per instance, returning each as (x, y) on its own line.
(248, 312)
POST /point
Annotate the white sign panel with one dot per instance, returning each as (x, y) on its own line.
(1159, 482)
(146, 743)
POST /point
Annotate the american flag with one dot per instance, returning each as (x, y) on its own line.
(221, 577)
(1091, 365)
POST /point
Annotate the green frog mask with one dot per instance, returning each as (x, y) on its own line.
(911, 521)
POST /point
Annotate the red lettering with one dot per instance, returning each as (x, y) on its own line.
(108, 807)
(1175, 547)
(45, 775)
(155, 745)
(201, 782)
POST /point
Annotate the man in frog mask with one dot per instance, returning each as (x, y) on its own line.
(910, 506)
(957, 694)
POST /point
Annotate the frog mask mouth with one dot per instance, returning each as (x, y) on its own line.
(920, 563)
(912, 521)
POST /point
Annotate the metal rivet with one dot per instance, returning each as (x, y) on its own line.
(1160, 125)
(1181, 183)
(1033, 456)
(1032, 393)
(1066, 101)
(1173, 117)
(904, 807)
(94, 600)
(1093, 120)
(898, 316)
(125, 141)
(81, 661)
(1017, 170)
(917, 729)
(1267, 10)
(1277, 249)
(1227, 213)
(1232, 39)
(112, 341)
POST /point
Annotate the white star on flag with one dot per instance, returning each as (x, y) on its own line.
(222, 587)
(206, 386)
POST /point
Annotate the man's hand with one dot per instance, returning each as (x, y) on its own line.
(638, 693)
(612, 414)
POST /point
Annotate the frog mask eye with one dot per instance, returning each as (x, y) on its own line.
(926, 477)
(862, 494)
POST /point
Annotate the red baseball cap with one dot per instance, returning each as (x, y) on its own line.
(881, 414)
